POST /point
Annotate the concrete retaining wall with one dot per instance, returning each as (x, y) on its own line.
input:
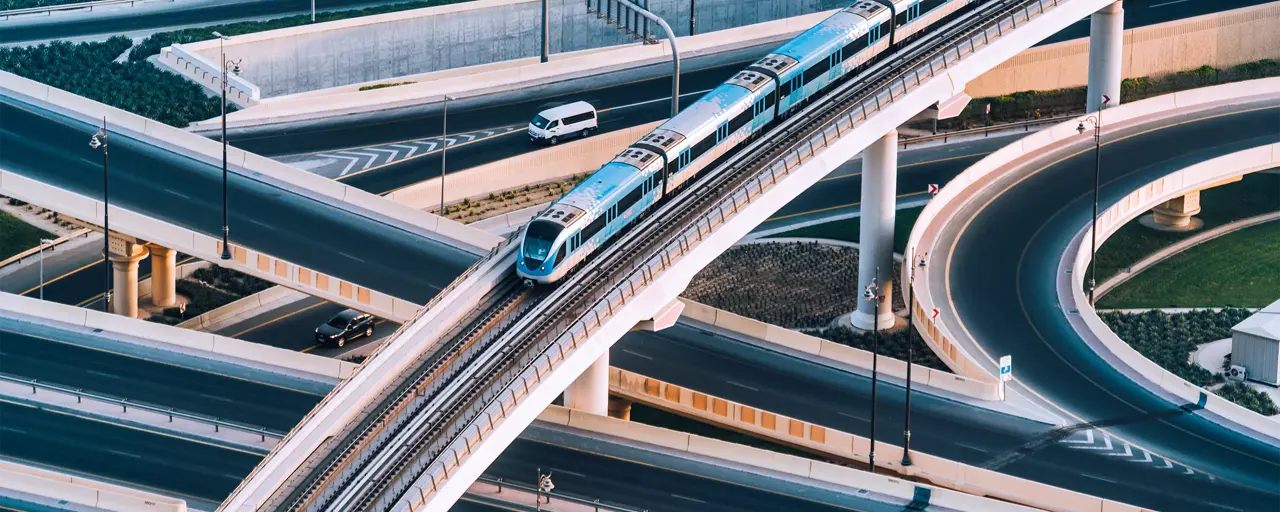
(385, 46)
(216, 347)
(802, 342)
(551, 164)
(83, 491)
(1071, 287)
(1220, 40)
(242, 309)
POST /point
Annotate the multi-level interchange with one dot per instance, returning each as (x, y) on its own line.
(388, 299)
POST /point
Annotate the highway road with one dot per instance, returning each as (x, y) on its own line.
(64, 358)
(1001, 275)
(52, 148)
(151, 18)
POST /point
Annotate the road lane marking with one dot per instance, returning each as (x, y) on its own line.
(655, 100)
(411, 149)
(742, 386)
(695, 500)
(279, 318)
(829, 208)
(179, 194)
(352, 257)
(371, 156)
(1154, 6)
(59, 278)
(971, 447)
(637, 354)
(392, 158)
(1107, 480)
(351, 161)
(565, 471)
(847, 415)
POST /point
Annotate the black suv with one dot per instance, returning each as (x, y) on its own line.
(346, 325)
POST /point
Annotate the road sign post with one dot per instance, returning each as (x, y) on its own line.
(1006, 372)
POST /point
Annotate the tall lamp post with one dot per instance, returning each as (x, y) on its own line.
(872, 293)
(99, 141)
(43, 243)
(911, 306)
(444, 149)
(235, 68)
(1096, 122)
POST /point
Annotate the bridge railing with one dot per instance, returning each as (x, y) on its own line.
(48, 10)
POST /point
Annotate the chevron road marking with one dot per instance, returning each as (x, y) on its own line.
(393, 152)
(1146, 457)
(1127, 452)
(370, 156)
(1088, 438)
(431, 144)
(411, 149)
(351, 161)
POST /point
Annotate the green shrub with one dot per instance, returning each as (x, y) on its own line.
(384, 86)
(202, 298)
(17, 236)
(1169, 339)
(1244, 396)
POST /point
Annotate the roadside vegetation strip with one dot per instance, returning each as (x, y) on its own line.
(9, 5)
(1027, 105)
(1169, 339)
(1255, 194)
(17, 236)
(1240, 269)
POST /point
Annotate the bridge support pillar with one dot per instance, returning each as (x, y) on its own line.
(124, 291)
(590, 391)
(879, 183)
(163, 275)
(1176, 214)
(1106, 54)
(620, 408)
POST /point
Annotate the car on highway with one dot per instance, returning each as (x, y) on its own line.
(345, 326)
(556, 124)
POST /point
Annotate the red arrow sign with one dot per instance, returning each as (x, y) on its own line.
(933, 189)
(1106, 99)
(935, 314)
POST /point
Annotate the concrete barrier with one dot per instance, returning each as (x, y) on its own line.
(1222, 39)
(208, 73)
(621, 64)
(17, 258)
(256, 167)
(82, 491)
(813, 345)
(1089, 325)
(941, 334)
(211, 345)
(242, 309)
(841, 446)
(536, 167)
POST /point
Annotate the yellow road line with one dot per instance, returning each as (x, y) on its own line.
(279, 318)
(59, 278)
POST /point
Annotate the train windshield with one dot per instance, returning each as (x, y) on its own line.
(537, 241)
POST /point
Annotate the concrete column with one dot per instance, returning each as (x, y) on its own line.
(1106, 54)
(1176, 214)
(879, 182)
(124, 290)
(163, 275)
(620, 408)
(590, 392)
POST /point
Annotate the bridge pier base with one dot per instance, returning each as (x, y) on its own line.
(590, 391)
(1106, 55)
(875, 253)
(163, 275)
(124, 289)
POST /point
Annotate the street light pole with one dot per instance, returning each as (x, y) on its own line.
(911, 306)
(43, 243)
(313, 11)
(444, 151)
(99, 141)
(693, 18)
(1096, 121)
(226, 226)
(872, 293)
(546, 34)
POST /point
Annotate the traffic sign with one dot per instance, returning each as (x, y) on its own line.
(1106, 99)
(933, 189)
(1006, 368)
(934, 316)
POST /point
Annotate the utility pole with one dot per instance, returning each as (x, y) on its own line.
(235, 68)
(872, 293)
(1096, 121)
(99, 141)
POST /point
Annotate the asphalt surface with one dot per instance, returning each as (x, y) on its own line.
(292, 327)
(1140, 13)
(51, 148)
(141, 20)
(1002, 274)
(54, 357)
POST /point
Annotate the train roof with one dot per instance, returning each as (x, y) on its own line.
(591, 192)
(837, 27)
(707, 110)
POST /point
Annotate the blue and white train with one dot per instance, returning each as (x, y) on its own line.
(587, 217)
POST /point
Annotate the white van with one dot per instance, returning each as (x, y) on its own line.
(556, 124)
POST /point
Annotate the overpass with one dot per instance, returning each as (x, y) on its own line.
(287, 226)
(370, 457)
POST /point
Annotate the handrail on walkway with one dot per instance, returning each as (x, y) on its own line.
(48, 10)
(126, 403)
(1026, 125)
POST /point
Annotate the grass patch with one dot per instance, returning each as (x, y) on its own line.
(8, 5)
(848, 230)
(1169, 339)
(17, 236)
(375, 87)
(1239, 269)
(1254, 195)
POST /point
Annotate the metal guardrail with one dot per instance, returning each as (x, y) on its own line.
(17, 258)
(126, 403)
(596, 504)
(1026, 125)
(48, 10)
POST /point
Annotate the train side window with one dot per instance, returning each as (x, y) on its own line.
(560, 254)
(594, 227)
(740, 120)
(913, 11)
(873, 35)
(771, 99)
(722, 131)
(631, 198)
(785, 88)
(685, 157)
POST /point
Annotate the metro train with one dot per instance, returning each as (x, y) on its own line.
(583, 220)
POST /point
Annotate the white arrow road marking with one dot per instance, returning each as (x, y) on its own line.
(351, 161)
(431, 144)
(410, 148)
(1088, 438)
(392, 151)
(449, 141)
(370, 156)
(1189, 471)
(1106, 439)
(1127, 451)
(469, 137)
(1167, 464)
(1146, 457)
